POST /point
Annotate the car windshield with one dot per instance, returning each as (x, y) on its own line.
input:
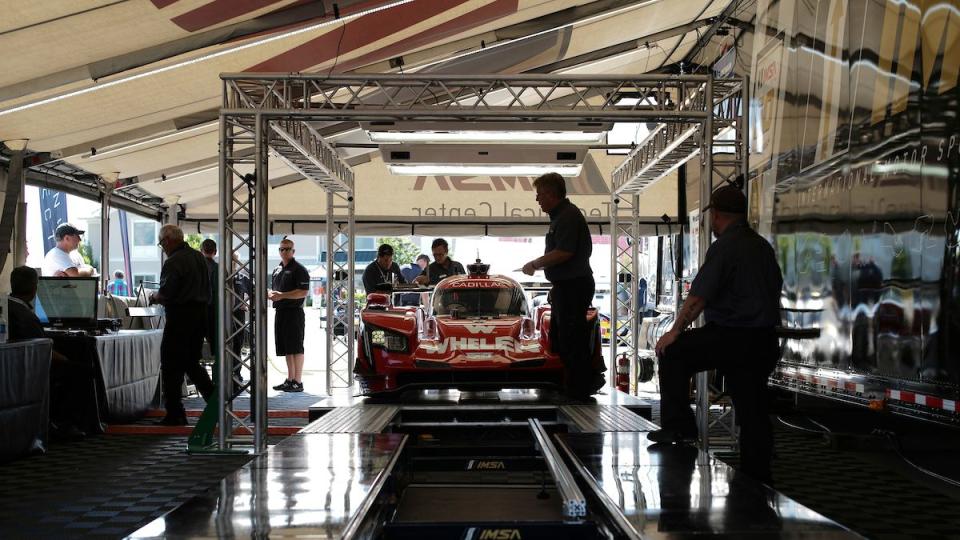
(480, 302)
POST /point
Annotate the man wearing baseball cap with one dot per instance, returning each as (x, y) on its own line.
(737, 288)
(63, 259)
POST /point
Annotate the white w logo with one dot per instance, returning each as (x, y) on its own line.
(479, 328)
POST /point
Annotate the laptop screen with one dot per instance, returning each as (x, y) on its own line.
(65, 301)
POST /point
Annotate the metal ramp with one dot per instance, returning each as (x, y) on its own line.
(355, 419)
(605, 418)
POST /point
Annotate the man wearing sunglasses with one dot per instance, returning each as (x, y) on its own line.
(288, 288)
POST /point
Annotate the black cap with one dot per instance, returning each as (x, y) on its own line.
(728, 198)
(65, 229)
(384, 249)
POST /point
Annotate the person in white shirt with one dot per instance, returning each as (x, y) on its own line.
(64, 260)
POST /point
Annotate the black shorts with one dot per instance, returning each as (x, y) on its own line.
(288, 331)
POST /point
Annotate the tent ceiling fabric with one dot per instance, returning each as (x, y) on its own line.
(156, 115)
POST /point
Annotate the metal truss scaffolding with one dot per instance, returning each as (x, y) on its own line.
(272, 111)
(720, 139)
(340, 304)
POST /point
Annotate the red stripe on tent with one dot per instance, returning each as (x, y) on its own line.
(361, 32)
(160, 4)
(481, 15)
(216, 12)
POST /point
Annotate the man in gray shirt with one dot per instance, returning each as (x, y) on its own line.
(738, 291)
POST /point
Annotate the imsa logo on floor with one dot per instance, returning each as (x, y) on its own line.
(485, 465)
(494, 534)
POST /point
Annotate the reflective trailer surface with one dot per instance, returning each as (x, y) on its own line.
(307, 486)
(665, 493)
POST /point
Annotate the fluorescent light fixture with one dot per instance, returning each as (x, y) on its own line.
(483, 170)
(130, 146)
(100, 86)
(188, 173)
(467, 136)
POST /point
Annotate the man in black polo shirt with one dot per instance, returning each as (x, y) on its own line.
(289, 286)
(566, 263)
(442, 266)
(738, 290)
(184, 292)
(382, 270)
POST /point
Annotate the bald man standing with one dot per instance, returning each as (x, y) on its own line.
(184, 291)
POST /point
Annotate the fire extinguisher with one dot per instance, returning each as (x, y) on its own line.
(623, 373)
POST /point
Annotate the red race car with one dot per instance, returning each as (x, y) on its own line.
(477, 332)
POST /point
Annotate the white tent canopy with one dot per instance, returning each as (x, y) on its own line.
(133, 87)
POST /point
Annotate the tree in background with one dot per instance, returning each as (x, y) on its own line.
(87, 253)
(404, 251)
(193, 240)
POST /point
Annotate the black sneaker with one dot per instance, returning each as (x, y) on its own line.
(295, 387)
(670, 437)
(284, 386)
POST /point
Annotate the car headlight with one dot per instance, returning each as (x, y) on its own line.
(391, 341)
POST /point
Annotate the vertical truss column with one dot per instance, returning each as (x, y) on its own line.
(340, 290)
(730, 124)
(242, 232)
(725, 158)
(624, 274)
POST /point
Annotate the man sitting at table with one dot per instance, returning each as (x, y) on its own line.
(72, 388)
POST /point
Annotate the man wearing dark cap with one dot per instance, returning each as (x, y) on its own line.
(63, 259)
(382, 270)
(738, 291)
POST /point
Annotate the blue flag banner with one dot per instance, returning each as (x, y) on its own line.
(53, 212)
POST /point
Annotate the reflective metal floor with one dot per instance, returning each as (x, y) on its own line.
(664, 492)
(313, 485)
(308, 486)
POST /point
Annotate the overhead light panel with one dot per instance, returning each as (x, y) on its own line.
(503, 137)
(487, 132)
(483, 160)
(483, 170)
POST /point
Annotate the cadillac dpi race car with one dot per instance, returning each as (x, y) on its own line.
(476, 332)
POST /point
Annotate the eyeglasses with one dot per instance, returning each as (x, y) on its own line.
(286, 249)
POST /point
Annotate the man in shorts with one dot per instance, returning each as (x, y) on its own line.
(290, 284)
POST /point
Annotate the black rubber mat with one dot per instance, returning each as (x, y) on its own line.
(865, 486)
(862, 490)
(106, 486)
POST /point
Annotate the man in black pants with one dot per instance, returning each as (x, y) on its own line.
(738, 290)
(566, 263)
(184, 291)
(290, 284)
(208, 248)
